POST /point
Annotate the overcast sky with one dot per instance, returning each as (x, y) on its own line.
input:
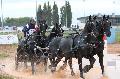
(21, 8)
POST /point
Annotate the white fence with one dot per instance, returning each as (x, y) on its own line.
(8, 39)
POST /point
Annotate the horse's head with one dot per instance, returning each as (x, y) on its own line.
(57, 30)
(105, 26)
(91, 27)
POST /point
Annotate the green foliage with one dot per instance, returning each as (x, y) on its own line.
(118, 37)
(45, 13)
(66, 14)
(3, 55)
(16, 21)
(55, 16)
(6, 33)
(49, 15)
(5, 77)
(62, 13)
(69, 14)
(39, 13)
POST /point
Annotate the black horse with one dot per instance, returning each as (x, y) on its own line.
(28, 51)
(66, 47)
(57, 31)
(104, 30)
(43, 27)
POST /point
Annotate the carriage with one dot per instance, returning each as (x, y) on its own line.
(33, 48)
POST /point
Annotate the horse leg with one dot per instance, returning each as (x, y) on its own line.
(65, 64)
(58, 60)
(88, 67)
(100, 55)
(25, 64)
(16, 62)
(17, 56)
(80, 66)
(53, 67)
(33, 67)
(45, 63)
(70, 64)
(55, 62)
(50, 63)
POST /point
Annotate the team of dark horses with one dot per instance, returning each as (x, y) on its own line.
(38, 48)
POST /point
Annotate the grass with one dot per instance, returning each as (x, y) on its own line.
(118, 37)
(6, 33)
(6, 77)
(3, 55)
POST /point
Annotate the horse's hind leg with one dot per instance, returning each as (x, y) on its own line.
(80, 66)
(45, 63)
(53, 66)
(16, 62)
(58, 60)
(65, 64)
(50, 63)
(88, 67)
(55, 62)
(70, 64)
(33, 67)
(25, 64)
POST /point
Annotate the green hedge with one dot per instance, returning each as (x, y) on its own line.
(6, 77)
(118, 37)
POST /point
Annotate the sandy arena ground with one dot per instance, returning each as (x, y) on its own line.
(22, 73)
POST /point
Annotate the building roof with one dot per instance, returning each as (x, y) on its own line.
(100, 16)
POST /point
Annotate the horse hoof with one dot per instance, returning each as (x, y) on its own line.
(104, 74)
(33, 73)
(16, 68)
(62, 68)
(45, 70)
(72, 73)
(53, 69)
(37, 63)
(86, 68)
(81, 75)
(49, 67)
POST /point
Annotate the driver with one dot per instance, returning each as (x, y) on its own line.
(29, 28)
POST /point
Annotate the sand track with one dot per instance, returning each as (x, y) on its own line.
(23, 73)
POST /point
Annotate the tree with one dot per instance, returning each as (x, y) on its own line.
(55, 16)
(16, 21)
(44, 16)
(49, 16)
(66, 14)
(62, 15)
(69, 14)
(39, 14)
